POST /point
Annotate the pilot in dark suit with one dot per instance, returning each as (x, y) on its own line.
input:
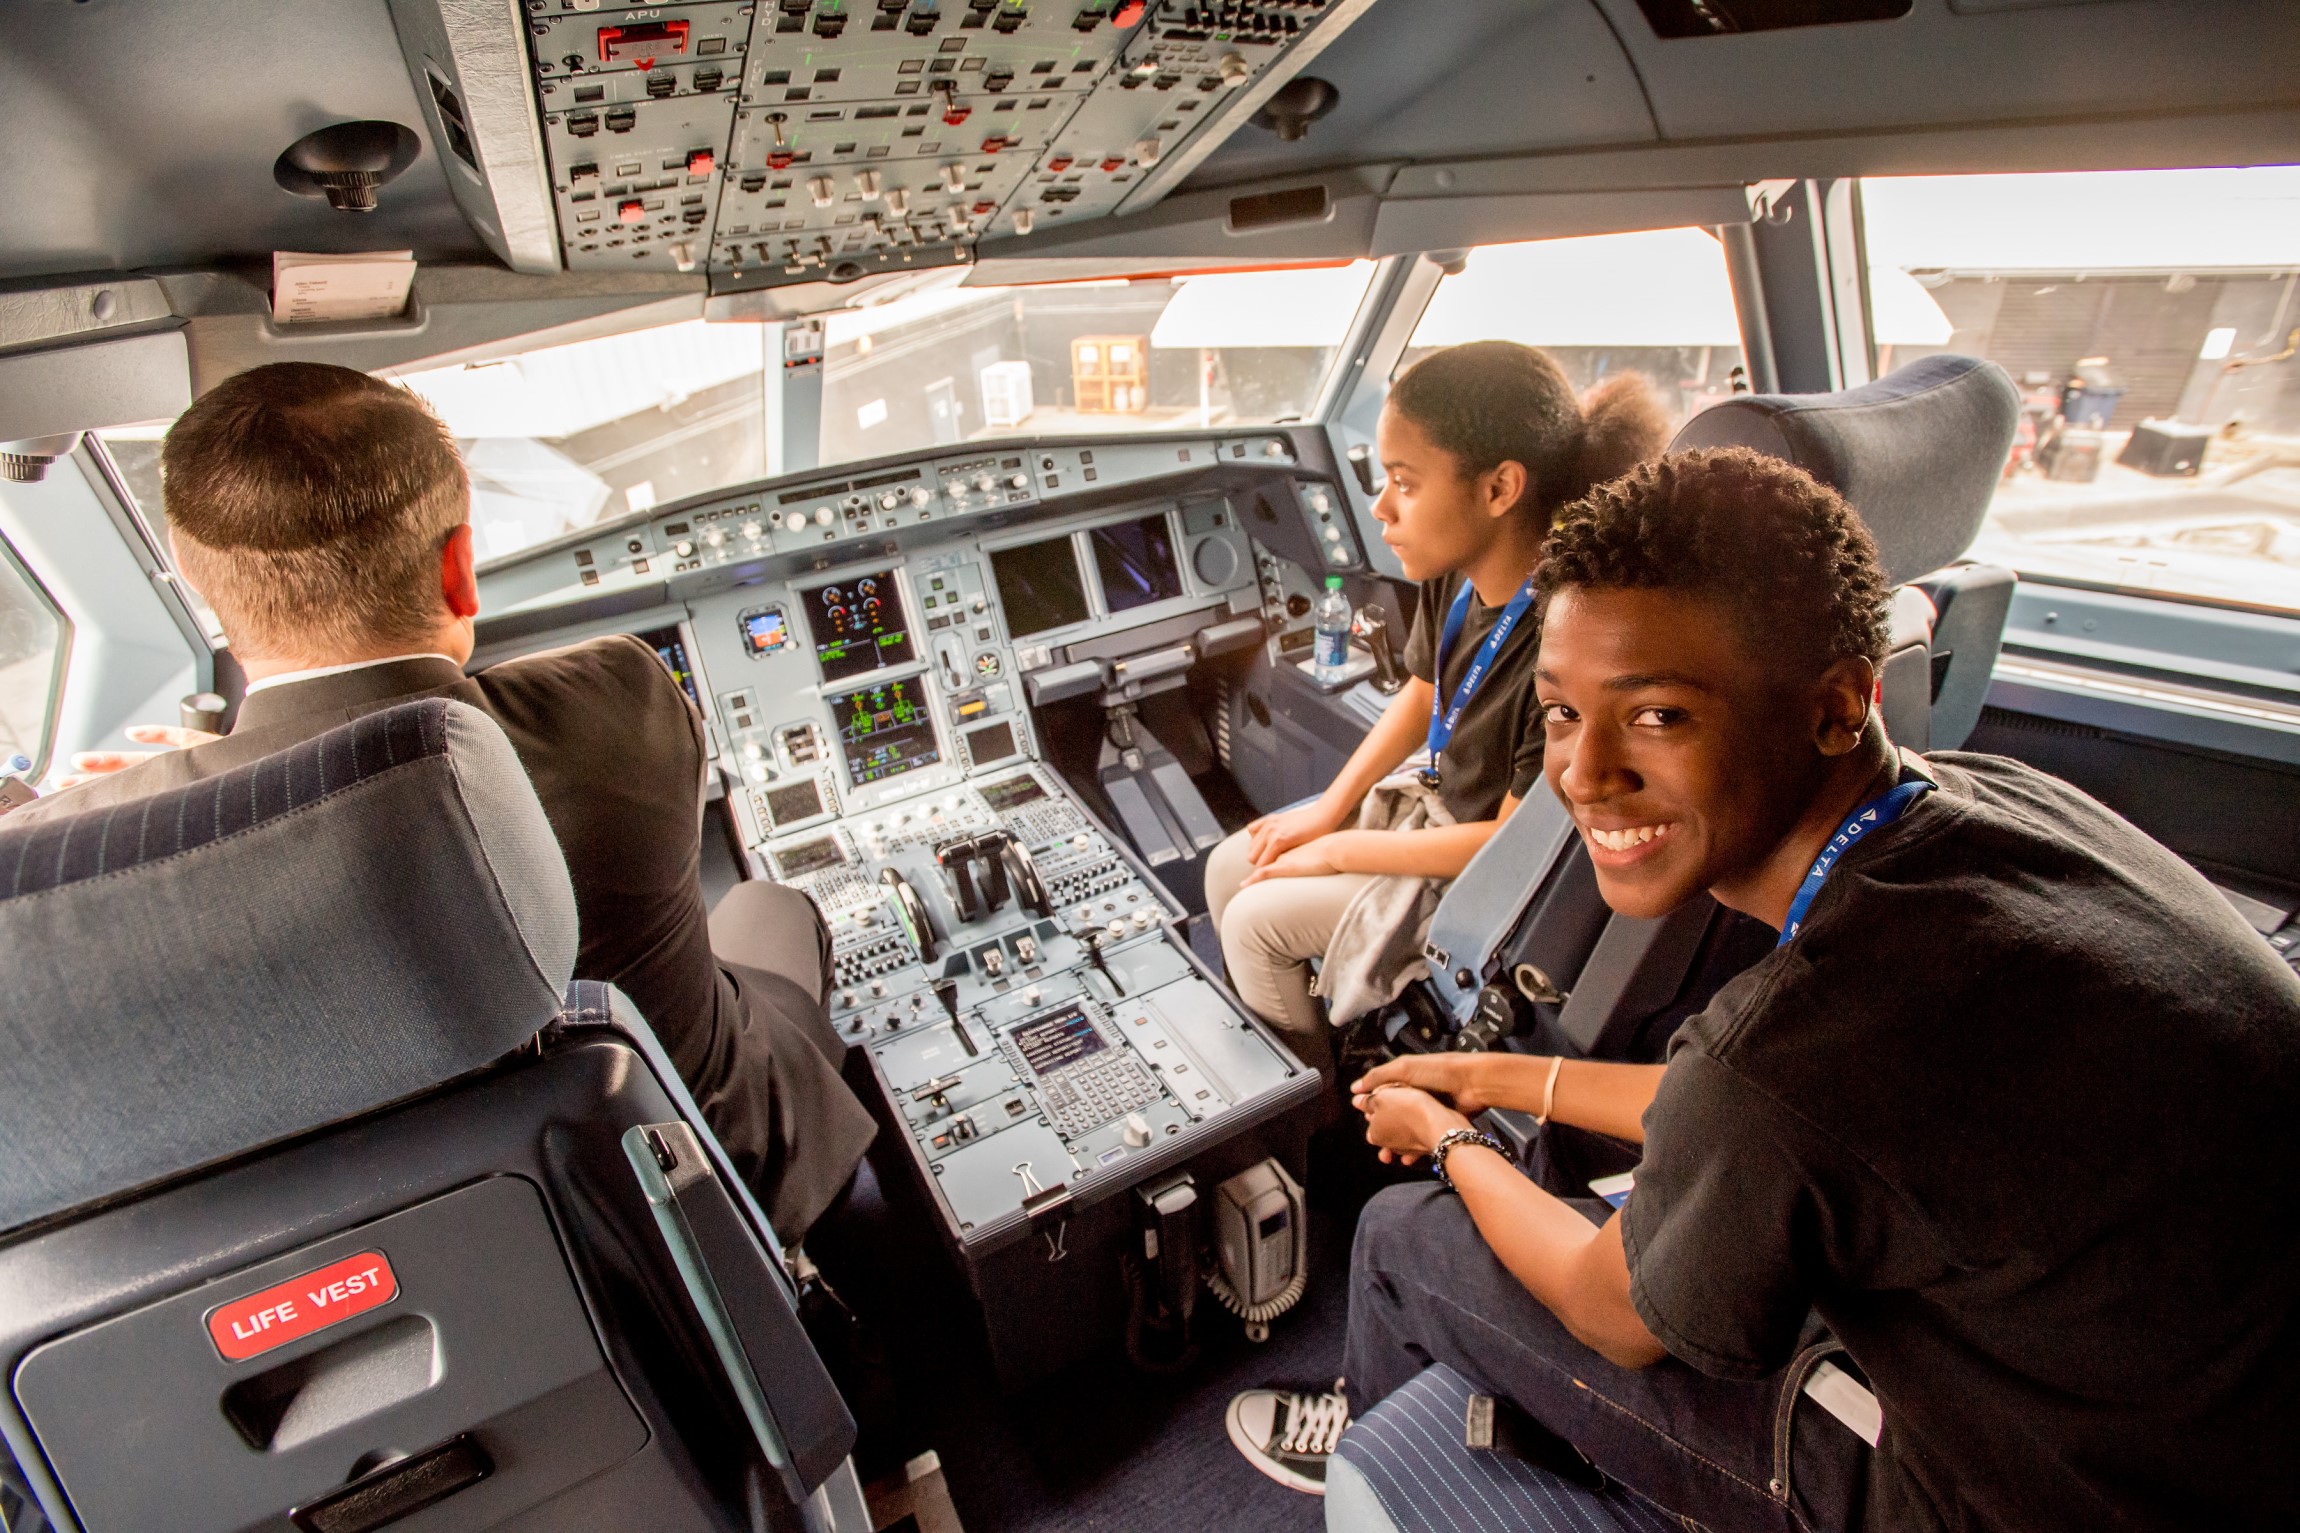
(324, 516)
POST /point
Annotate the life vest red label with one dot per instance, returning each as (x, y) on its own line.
(294, 1309)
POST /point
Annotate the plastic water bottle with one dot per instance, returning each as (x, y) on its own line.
(1330, 659)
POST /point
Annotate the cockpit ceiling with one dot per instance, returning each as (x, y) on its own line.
(763, 143)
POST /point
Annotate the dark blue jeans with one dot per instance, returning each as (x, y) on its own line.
(1720, 1455)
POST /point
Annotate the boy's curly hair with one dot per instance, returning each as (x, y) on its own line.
(1776, 546)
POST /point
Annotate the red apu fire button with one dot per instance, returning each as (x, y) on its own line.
(295, 1309)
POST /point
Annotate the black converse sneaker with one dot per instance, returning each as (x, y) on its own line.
(1288, 1433)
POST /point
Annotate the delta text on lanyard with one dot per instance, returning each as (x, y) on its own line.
(1443, 718)
(1862, 823)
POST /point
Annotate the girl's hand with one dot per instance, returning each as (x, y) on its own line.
(1452, 1076)
(1273, 835)
(1308, 860)
(1404, 1122)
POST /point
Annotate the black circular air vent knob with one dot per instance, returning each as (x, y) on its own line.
(345, 162)
(1298, 103)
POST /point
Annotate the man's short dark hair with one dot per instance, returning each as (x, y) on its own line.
(309, 505)
(1779, 548)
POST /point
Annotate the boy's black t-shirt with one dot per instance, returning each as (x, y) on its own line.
(1496, 748)
(2016, 1114)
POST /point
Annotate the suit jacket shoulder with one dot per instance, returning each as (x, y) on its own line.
(608, 697)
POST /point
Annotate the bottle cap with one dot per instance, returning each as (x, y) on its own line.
(1333, 582)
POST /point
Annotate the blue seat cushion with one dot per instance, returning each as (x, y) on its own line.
(1409, 1454)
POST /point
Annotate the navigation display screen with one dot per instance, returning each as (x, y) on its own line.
(809, 857)
(1015, 791)
(857, 626)
(885, 730)
(1136, 562)
(1039, 586)
(1061, 1038)
(671, 647)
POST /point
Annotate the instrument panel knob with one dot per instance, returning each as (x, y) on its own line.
(920, 495)
(683, 549)
(1018, 481)
(889, 500)
(753, 530)
(716, 537)
(822, 516)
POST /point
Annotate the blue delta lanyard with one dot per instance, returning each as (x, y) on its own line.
(1443, 719)
(1863, 822)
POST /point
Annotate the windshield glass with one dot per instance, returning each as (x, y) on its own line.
(34, 639)
(1657, 303)
(565, 436)
(2151, 320)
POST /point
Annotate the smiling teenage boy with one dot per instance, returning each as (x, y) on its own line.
(2008, 1109)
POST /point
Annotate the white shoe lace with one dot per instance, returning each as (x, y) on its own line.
(1314, 1423)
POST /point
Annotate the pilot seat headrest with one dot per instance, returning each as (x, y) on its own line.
(1918, 453)
(343, 924)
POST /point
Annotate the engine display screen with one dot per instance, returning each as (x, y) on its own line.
(992, 742)
(885, 730)
(857, 626)
(1011, 794)
(1058, 1039)
(671, 647)
(794, 802)
(1136, 562)
(809, 857)
(1039, 586)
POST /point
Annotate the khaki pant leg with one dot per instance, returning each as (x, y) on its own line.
(1270, 932)
(1226, 867)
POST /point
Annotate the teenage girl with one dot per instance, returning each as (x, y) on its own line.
(1482, 444)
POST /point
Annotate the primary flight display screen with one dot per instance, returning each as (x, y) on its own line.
(857, 625)
(671, 646)
(1136, 562)
(1039, 586)
(885, 730)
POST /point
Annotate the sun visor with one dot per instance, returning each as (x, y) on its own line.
(93, 385)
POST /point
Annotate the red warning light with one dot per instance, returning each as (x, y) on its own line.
(632, 212)
(700, 162)
(1127, 14)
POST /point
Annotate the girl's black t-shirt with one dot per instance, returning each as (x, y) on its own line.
(1496, 748)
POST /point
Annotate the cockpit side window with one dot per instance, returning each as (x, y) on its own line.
(35, 643)
(2152, 321)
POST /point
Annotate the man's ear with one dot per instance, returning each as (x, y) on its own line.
(458, 578)
(1846, 696)
(1504, 487)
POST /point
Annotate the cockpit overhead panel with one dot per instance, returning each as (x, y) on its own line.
(788, 140)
